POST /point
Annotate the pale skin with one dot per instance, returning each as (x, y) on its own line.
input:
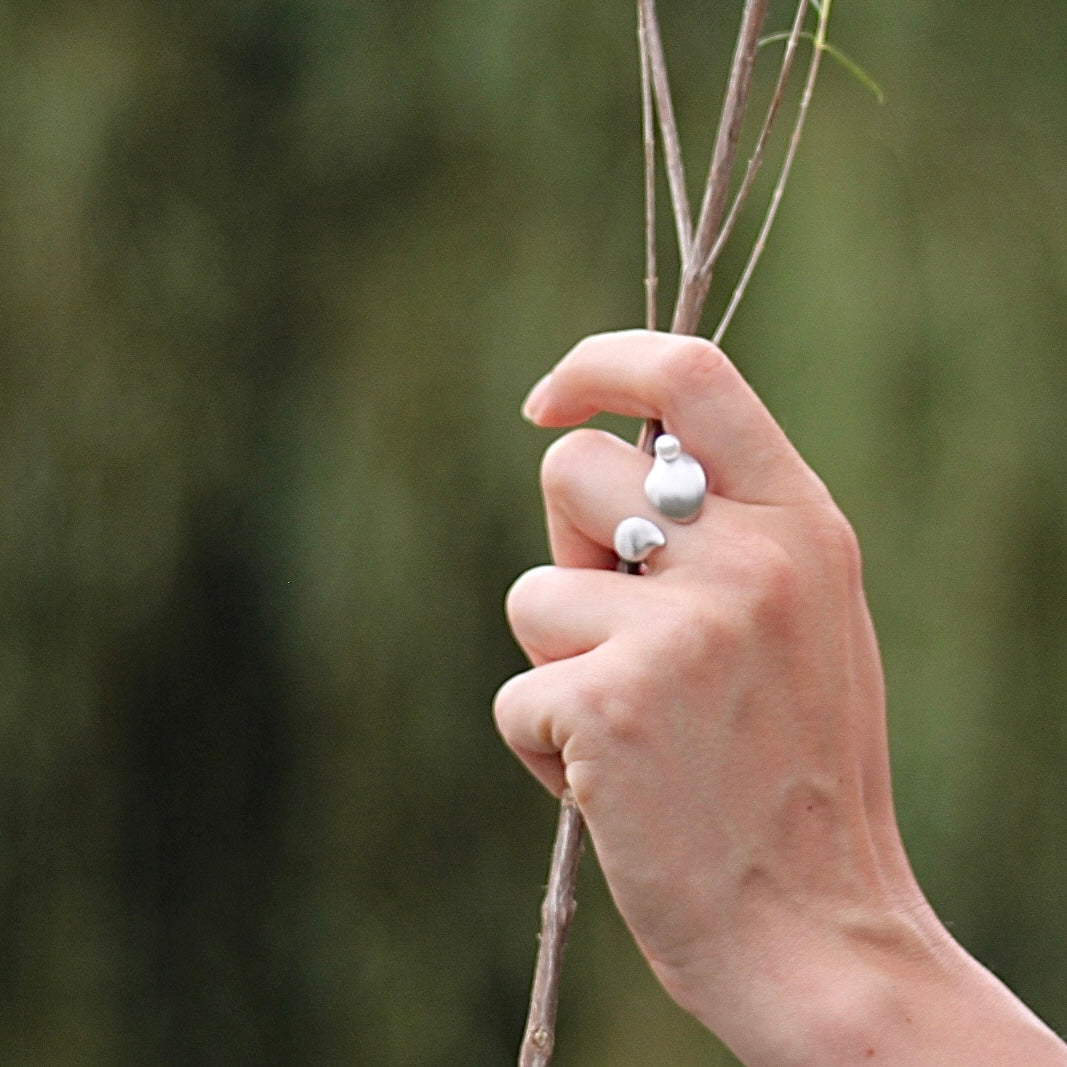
(721, 723)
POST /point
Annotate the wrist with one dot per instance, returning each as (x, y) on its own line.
(893, 988)
(863, 999)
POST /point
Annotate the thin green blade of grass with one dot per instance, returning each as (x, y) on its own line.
(846, 61)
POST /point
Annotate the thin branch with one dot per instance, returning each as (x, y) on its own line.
(648, 129)
(648, 33)
(787, 165)
(672, 151)
(754, 163)
(696, 280)
(557, 911)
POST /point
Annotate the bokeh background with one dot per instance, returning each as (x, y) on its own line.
(274, 278)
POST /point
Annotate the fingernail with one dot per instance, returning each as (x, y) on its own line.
(534, 401)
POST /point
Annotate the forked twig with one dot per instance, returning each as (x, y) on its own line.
(696, 278)
(818, 47)
(756, 159)
(672, 149)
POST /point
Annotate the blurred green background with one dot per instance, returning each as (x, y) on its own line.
(274, 278)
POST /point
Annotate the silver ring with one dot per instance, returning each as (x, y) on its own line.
(676, 485)
(636, 539)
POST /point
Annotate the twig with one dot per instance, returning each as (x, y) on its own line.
(672, 151)
(818, 48)
(648, 130)
(559, 904)
(651, 47)
(557, 911)
(696, 280)
(741, 196)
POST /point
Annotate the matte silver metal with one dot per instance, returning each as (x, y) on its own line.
(677, 483)
(636, 538)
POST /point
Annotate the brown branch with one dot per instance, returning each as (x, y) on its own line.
(783, 177)
(754, 163)
(672, 151)
(696, 280)
(557, 911)
(648, 130)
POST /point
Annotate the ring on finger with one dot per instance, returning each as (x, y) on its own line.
(676, 484)
(636, 538)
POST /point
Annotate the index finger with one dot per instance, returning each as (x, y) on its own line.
(699, 395)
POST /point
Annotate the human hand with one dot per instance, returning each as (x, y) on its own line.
(720, 720)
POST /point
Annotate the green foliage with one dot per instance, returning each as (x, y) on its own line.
(274, 277)
(847, 62)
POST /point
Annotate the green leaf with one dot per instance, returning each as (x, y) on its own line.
(849, 64)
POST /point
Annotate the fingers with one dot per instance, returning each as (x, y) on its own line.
(566, 621)
(527, 713)
(591, 481)
(539, 712)
(700, 396)
(559, 613)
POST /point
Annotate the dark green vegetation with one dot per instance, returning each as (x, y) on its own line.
(274, 277)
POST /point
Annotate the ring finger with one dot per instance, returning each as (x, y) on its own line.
(591, 481)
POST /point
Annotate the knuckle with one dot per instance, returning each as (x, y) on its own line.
(526, 595)
(775, 573)
(758, 563)
(770, 592)
(698, 630)
(710, 631)
(835, 544)
(785, 577)
(508, 710)
(846, 545)
(502, 705)
(693, 364)
(564, 458)
(615, 705)
(584, 783)
(516, 711)
(625, 717)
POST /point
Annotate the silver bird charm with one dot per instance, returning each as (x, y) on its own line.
(636, 538)
(676, 484)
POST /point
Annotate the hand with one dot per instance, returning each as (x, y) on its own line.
(720, 719)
